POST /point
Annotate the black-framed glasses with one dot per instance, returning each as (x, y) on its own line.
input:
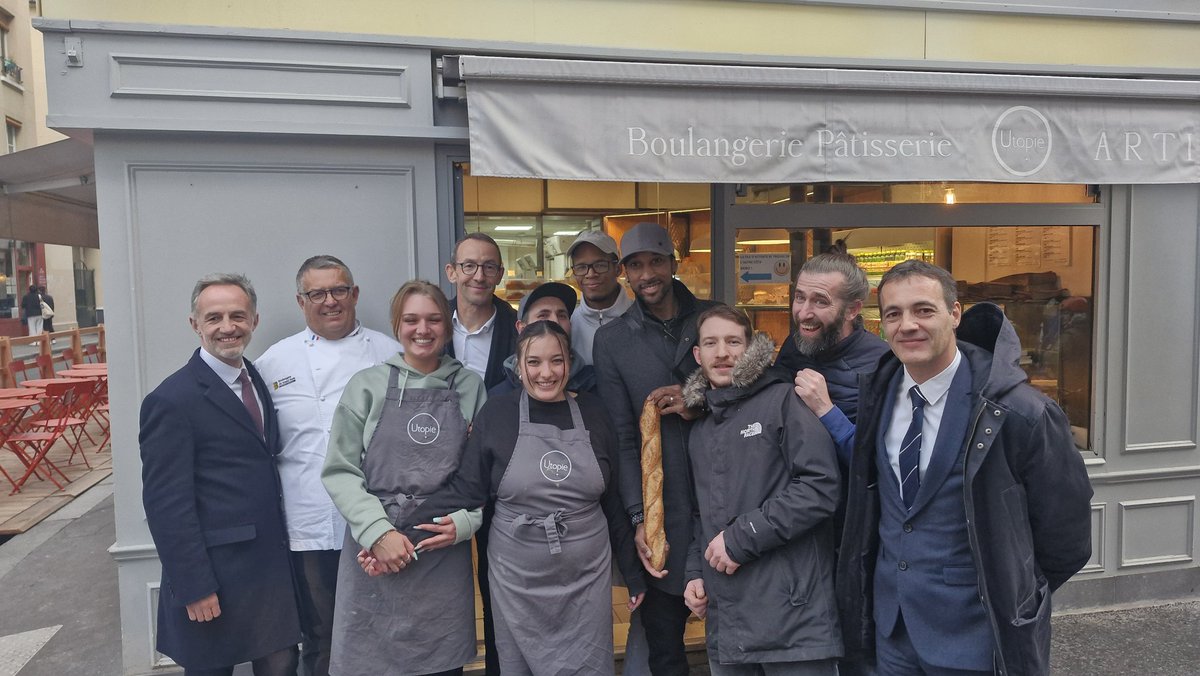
(471, 267)
(599, 267)
(318, 295)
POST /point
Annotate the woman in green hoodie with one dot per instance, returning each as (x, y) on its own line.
(398, 432)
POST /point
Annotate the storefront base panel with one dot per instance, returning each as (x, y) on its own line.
(1138, 589)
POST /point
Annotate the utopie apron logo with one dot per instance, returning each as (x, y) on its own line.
(1021, 140)
(555, 466)
(423, 428)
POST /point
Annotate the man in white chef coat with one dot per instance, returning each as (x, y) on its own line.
(306, 373)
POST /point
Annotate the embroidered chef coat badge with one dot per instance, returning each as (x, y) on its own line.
(283, 382)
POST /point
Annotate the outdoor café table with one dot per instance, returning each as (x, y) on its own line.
(100, 366)
(41, 383)
(76, 372)
(21, 392)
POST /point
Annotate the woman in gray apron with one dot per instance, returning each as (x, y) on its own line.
(399, 433)
(546, 460)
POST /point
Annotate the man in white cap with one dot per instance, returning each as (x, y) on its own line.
(597, 269)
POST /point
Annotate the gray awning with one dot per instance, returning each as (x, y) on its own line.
(48, 194)
(590, 120)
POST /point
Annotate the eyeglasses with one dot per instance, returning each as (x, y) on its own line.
(471, 267)
(318, 295)
(599, 267)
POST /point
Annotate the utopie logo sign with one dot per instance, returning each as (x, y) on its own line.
(423, 428)
(555, 466)
(1021, 140)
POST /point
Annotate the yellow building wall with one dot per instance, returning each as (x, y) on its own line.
(703, 26)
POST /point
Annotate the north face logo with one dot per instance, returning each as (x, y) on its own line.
(753, 429)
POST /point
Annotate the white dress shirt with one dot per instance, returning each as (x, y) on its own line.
(473, 348)
(229, 375)
(934, 390)
(306, 375)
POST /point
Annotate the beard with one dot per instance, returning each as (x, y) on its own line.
(829, 336)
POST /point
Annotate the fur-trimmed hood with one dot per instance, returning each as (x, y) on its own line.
(747, 370)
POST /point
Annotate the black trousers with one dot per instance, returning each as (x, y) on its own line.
(491, 659)
(279, 663)
(316, 577)
(665, 617)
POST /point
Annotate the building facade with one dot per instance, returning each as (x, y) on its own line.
(1050, 158)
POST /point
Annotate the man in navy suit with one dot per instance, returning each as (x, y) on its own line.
(212, 497)
(968, 503)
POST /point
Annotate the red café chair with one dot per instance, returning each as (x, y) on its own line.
(11, 413)
(24, 369)
(91, 353)
(32, 443)
(45, 364)
(70, 414)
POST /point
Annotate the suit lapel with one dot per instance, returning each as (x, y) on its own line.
(952, 431)
(885, 422)
(223, 398)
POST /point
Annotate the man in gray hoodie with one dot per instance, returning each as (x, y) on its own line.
(597, 270)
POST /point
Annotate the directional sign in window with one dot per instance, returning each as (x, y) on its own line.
(765, 268)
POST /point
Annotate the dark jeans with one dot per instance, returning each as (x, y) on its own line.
(316, 577)
(491, 659)
(279, 663)
(664, 616)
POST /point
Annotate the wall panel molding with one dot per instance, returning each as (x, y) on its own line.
(1096, 563)
(1148, 535)
(213, 78)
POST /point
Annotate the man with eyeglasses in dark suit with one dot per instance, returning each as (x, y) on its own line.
(484, 335)
(484, 326)
(596, 265)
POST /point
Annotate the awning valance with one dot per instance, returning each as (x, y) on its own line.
(591, 120)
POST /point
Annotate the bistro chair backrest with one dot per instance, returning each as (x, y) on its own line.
(22, 370)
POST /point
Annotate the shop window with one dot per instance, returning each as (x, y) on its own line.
(12, 129)
(536, 221)
(917, 193)
(1043, 277)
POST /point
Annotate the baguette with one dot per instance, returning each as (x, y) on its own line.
(652, 486)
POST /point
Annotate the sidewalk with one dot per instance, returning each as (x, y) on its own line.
(59, 612)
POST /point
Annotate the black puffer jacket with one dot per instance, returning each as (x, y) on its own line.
(1026, 495)
(840, 365)
(766, 474)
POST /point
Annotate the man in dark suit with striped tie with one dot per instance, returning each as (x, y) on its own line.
(209, 439)
(968, 502)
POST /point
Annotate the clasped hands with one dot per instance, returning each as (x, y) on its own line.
(717, 556)
(392, 552)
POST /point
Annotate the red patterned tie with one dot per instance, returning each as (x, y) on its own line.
(251, 402)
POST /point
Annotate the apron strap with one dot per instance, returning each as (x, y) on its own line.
(524, 406)
(551, 523)
(576, 416)
(393, 385)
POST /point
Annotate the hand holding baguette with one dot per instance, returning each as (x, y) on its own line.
(652, 486)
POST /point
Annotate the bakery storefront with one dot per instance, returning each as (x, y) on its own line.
(999, 179)
(1073, 201)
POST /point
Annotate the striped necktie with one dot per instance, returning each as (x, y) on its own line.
(910, 449)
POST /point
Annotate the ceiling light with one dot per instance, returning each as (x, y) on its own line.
(512, 228)
(566, 233)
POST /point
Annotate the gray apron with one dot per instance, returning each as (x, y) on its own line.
(422, 619)
(549, 554)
